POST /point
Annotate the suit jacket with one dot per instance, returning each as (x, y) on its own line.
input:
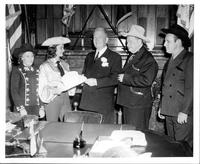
(105, 69)
(177, 87)
(24, 86)
(139, 74)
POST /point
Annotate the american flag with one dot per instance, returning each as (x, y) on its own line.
(13, 39)
(13, 29)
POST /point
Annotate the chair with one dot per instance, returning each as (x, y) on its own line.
(83, 116)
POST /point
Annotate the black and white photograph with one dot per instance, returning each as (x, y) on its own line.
(100, 82)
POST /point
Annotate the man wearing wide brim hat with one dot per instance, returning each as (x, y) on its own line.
(177, 90)
(138, 74)
(50, 83)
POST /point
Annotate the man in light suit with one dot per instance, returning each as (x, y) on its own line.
(138, 74)
(101, 68)
(177, 87)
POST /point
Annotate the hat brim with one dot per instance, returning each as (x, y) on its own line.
(145, 39)
(186, 39)
(56, 41)
(19, 51)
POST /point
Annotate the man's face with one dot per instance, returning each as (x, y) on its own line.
(133, 43)
(170, 43)
(99, 39)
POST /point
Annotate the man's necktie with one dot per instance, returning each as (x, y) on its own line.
(60, 68)
(96, 56)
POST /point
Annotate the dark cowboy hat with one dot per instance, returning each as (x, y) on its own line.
(24, 48)
(180, 32)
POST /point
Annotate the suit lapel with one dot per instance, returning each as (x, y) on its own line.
(175, 64)
(105, 54)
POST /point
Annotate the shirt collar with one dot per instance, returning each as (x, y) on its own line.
(101, 52)
(54, 61)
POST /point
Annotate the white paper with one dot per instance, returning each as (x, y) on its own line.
(72, 79)
(10, 126)
(134, 137)
(102, 145)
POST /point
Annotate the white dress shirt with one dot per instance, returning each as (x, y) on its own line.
(101, 52)
(49, 79)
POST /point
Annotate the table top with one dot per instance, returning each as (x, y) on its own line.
(58, 139)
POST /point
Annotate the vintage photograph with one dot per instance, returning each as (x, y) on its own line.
(99, 81)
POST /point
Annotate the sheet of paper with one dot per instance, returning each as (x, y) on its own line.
(72, 79)
(134, 137)
(10, 126)
(102, 145)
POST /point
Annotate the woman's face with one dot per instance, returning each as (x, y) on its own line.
(59, 50)
(27, 58)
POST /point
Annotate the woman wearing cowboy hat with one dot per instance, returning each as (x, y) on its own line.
(138, 74)
(50, 85)
(24, 83)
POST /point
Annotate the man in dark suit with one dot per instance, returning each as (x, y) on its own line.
(138, 74)
(177, 86)
(101, 69)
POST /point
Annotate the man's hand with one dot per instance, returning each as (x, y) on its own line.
(160, 115)
(182, 118)
(120, 77)
(91, 82)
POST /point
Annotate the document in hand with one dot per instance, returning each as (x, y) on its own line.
(72, 79)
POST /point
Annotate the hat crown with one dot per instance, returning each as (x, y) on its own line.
(135, 30)
(27, 47)
(56, 41)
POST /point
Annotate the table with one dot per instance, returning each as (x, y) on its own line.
(58, 139)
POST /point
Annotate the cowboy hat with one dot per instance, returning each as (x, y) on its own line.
(24, 48)
(56, 41)
(136, 31)
(180, 32)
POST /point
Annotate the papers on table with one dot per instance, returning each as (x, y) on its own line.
(121, 143)
(72, 79)
(136, 137)
(10, 126)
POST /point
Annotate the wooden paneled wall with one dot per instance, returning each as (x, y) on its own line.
(151, 17)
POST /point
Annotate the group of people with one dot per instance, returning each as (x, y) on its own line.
(37, 90)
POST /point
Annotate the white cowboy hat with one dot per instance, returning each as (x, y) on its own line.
(56, 41)
(136, 31)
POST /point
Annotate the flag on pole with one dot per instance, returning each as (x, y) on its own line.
(68, 12)
(123, 12)
(13, 26)
(185, 18)
(13, 39)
